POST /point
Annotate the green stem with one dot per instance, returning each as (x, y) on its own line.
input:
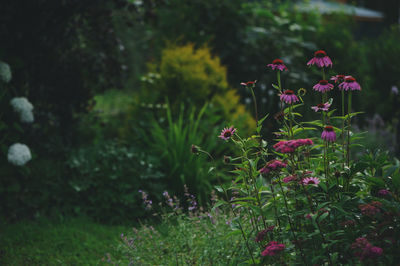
(343, 131)
(348, 128)
(255, 105)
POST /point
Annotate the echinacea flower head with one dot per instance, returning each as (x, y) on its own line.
(289, 97)
(19, 154)
(278, 64)
(323, 86)
(249, 84)
(227, 133)
(321, 59)
(338, 78)
(350, 83)
(328, 134)
(273, 248)
(321, 107)
(310, 181)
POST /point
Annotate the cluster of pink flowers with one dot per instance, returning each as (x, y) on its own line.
(365, 250)
(370, 209)
(273, 248)
(289, 146)
(272, 166)
(289, 179)
(262, 234)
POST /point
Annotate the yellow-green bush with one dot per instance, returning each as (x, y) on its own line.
(186, 75)
(235, 112)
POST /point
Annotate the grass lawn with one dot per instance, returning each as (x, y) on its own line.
(74, 241)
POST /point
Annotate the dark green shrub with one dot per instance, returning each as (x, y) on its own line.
(106, 178)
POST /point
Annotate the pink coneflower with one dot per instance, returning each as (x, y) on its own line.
(320, 59)
(310, 181)
(338, 78)
(251, 84)
(328, 134)
(272, 166)
(323, 86)
(349, 83)
(321, 107)
(273, 248)
(289, 97)
(277, 64)
(227, 133)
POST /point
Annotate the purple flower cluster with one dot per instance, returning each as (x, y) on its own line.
(365, 250)
(191, 199)
(148, 203)
(289, 179)
(272, 166)
(384, 192)
(273, 248)
(289, 146)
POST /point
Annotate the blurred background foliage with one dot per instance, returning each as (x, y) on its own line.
(122, 89)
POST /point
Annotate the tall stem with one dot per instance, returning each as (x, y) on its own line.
(255, 105)
(348, 128)
(343, 131)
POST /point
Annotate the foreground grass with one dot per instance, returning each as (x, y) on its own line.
(76, 241)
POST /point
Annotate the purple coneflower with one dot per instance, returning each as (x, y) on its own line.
(323, 86)
(349, 83)
(251, 84)
(338, 78)
(320, 59)
(310, 181)
(321, 107)
(227, 133)
(289, 97)
(277, 64)
(328, 134)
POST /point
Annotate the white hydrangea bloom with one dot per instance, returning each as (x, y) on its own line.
(5, 72)
(24, 108)
(19, 154)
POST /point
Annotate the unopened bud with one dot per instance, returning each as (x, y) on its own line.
(227, 159)
(195, 149)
